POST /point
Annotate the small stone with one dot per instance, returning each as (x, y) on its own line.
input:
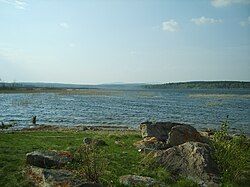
(87, 140)
(99, 142)
(136, 180)
(120, 143)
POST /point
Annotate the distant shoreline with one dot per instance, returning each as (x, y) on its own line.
(58, 87)
(202, 85)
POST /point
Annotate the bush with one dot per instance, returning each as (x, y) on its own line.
(90, 162)
(232, 155)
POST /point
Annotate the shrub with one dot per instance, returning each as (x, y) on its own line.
(232, 155)
(91, 163)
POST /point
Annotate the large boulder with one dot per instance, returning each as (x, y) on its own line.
(158, 130)
(192, 160)
(183, 133)
(54, 178)
(162, 135)
(48, 159)
(135, 180)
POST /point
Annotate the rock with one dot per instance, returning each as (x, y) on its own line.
(162, 135)
(192, 160)
(33, 120)
(183, 133)
(158, 130)
(150, 143)
(50, 177)
(120, 143)
(6, 126)
(84, 128)
(135, 180)
(48, 159)
(99, 142)
(87, 140)
(95, 142)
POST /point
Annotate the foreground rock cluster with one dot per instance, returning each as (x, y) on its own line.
(181, 150)
(46, 168)
(178, 148)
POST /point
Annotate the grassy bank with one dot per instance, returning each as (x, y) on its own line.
(120, 156)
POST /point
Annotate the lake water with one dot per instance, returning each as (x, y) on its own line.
(201, 108)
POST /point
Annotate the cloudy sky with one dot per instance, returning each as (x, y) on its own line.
(91, 42)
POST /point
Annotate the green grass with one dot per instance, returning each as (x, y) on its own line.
(232, 155)
(122, 159)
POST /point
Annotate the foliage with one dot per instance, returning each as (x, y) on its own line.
(200, 85)
(232, 153)
(91, 162)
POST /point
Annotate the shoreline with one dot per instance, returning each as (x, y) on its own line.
(104, 128)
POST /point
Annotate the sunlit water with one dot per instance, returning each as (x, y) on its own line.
(201, 108)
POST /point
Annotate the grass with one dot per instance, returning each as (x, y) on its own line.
(120, 156)
(232, 155)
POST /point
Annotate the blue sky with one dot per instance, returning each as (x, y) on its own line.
(91, 42)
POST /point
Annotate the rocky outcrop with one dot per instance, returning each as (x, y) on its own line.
(158, 130)
(162, 135)
(192, 160)
(48, 159)
(150, 144)
(135, 180)
(55, 178)
(183, 133)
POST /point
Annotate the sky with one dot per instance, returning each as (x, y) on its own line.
(130, 41)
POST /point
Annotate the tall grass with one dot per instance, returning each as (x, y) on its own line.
(232, 154)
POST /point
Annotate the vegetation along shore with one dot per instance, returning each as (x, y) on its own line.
(99, 156)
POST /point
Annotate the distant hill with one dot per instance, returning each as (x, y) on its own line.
(34, 85)
(201, 85)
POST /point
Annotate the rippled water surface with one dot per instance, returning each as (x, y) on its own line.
(202, 108)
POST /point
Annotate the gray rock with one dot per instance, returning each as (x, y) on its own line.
(192, 160)
(183, 133)
(95, 142)
(99, 142)
(87, 140)
(158, 130)
(135, 180)
(47, 159)
(50, 177)
(162, 135)
(150, 144)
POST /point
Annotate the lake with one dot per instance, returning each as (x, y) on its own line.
(200, 108)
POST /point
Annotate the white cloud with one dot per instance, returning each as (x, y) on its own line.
(223, 3)
(64, 25)
(246, 22)
(18, 4)
(171, 26)
(202, 20)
